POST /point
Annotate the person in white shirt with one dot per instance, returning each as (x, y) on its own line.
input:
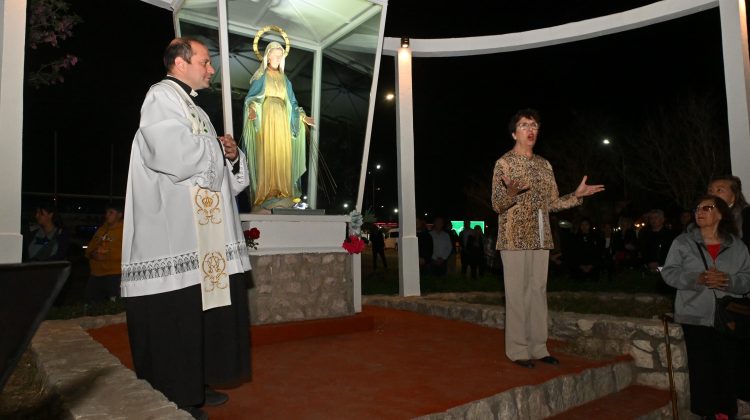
(442, 247)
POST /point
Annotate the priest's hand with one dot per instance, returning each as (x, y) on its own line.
(585, 190)
(230, 146)
(251, 115)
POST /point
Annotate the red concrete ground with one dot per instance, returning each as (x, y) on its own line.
(406, 366)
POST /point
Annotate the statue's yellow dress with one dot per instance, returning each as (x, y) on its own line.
(274, 142)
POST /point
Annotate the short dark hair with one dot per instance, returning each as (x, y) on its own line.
(529, 113)
(726, 224)
(179, 47)
(114, 205)
(51, 207)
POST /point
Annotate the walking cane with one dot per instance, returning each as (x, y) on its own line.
(667, 318)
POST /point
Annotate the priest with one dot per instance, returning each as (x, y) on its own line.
(184, 257)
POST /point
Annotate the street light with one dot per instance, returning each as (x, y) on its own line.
(372, 179)
(389, 96)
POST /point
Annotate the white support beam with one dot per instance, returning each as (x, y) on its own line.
(737, 81)
(226, 81)
(312, 165)
(408, 251)
(357, 260)
(351, 26)
(576, 31)
(12, 40)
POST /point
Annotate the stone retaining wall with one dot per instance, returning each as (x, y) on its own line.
(544, 400)
(592, 335)
(296, 287)
(91, 382)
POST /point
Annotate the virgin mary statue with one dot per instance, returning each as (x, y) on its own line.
(274, 134)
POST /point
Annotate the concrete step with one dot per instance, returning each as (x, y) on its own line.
(549, 398)
(633, 402)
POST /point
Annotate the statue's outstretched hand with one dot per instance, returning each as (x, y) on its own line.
(309, 121)
(251, 115)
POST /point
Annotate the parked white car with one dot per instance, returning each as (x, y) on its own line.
(391, 239)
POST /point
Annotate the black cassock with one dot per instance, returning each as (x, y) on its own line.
(179, 348)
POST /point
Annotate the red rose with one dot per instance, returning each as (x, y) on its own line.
(253, 233)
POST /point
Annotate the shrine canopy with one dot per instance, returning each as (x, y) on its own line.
(333, 65)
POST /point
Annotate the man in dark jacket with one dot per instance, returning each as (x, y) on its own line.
(424, 245)
(655, 240)
(377, 239)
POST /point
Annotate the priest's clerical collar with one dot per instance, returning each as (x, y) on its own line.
(183, 85)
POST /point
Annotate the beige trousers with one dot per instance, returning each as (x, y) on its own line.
(525, 275)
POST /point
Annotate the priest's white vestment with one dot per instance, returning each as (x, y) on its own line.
(175, 149)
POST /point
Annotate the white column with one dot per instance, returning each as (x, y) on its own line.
(408, 252)
(357, 282)
(226, 82)
(737, 82)
(312, 166)
(12, 39)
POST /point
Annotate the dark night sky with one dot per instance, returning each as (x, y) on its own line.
(461, 104)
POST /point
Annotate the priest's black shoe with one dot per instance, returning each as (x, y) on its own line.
(214, 397)
(196, 412)
(550, 360)
(524, 363)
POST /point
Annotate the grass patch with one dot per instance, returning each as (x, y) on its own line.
(591, 305)
(385, 281)
(79, 310)
(628, 281)
(26, 395)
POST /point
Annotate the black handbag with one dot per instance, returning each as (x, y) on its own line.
(731, 314)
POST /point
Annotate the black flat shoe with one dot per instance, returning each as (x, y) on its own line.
(550, 360)
(524, 363)
(214, 397)
(196, 412)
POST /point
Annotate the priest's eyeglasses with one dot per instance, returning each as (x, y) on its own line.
(705, 209)
(529, 126)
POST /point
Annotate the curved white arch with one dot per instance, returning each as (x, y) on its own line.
(569, 32)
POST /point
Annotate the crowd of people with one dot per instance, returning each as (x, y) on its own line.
(596, 252)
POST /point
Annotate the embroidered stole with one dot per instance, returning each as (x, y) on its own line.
(209, 223)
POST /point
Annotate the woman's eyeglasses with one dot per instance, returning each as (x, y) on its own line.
(706, 208)
(527, 126)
